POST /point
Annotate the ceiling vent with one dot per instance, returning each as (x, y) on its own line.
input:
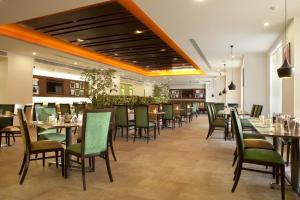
(199, 51)
(3, 53)
(58, 64)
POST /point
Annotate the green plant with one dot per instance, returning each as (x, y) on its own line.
(161, 91)
(100, 85)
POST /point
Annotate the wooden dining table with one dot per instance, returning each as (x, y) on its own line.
(269, 130)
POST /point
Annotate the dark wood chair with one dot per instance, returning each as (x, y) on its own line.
(95, 142)
(36, 148)
(122, 120)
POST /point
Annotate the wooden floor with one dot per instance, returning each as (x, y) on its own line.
(179, 165)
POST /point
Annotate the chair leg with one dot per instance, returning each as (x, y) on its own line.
(112, 150)
(43, 159)
(134, 135)
(108, 167)
(155, 132)
(288, 149)
(56, 158)
(83, 173)
(116, 130)
(127, 133)
(282, 148)
(62, 159)
(66, 164)
(282, 169)
(23, 163)
(209, 130)
(25, 169)
(238, 175)
(277, 175)
(235, 157)
(148, 136)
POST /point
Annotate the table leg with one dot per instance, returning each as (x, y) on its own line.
(295, 166)
(68, 142)
(275, 143)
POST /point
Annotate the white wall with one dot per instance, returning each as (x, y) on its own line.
(255, 80)
(217, 86)
(17, 84)
(233, 96)
(296, 64)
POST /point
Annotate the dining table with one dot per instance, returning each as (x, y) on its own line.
(275, 131)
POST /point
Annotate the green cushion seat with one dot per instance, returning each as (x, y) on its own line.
(263, 155)
(219, 122)
(53, 136)
(44, 145)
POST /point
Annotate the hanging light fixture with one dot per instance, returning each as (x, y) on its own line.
(231, 86)
(224, 91)
(286, 70)
(213, 89)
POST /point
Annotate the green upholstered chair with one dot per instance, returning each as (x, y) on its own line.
(195, 109)
(185, 112)
(64, 108)
(255, 156)
(51, 105)
(6, 124)
(95, 140)
(217, 108)
(34, 113)
(255, 112)
(141, 119)
(154, 118)
(214, 123)
(42, 114)
(39, 147)
(122, 120)
(168, 117)
(177, 114)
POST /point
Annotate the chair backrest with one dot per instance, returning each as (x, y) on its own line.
(219, 106)
(121, 115)
(79, 108)
(233, 105)
(176, 109)
(195, 107)
(95, 131)
(34, 112)
(64, 108)
(6, 121)
(24, 130)
(151, 108)
(213, 111)
(209, 113)
(141, 116)
(51, 105)
(43, 113)
(253, 110)
(27, 111)
(237, 130)
(168, 109)
(259, 110)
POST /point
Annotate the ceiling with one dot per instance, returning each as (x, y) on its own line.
(213, 24)
(108, 28)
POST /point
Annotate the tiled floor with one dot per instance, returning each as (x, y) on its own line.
(179, 165)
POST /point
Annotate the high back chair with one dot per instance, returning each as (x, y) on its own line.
(122, 120)
(154, 118)
(177, 115)
(35, 148)
(185, 112)
(64, 108)
(35, 105)
(6, 124)
(51, 105)
(255, 156)
(141, 116)
(168, 117)
(42, 114)
(215, 124)
(95, 141)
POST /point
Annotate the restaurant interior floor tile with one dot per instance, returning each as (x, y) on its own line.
(180, 164)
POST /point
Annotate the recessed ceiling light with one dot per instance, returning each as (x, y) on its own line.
(266, 24)
(175, 58)
(138, 31)
(75, 63)
(232, 56)
(79, 40)
(134, 61)
(163, 50)
(200, 1)
(115, 54)
(34, 53)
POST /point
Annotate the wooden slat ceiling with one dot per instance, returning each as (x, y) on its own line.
(110, 29)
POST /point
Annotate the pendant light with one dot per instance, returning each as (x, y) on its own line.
(213, 89)
(224, 91)
(286, 70)
(231, 85)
